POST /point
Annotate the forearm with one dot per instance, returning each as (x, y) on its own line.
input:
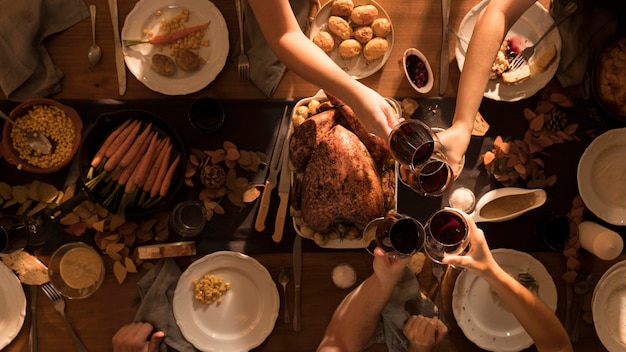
(355, 319)
(535, 316)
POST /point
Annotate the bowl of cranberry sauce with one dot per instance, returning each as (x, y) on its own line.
(417, 70)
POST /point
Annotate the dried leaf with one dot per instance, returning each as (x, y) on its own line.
(251, 193)
(536, 124)
(529, 114)
(561, 99)
(129, 265)
(120, 271)
(76, 229)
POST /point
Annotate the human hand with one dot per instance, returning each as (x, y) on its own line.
(478, 259)
(423, 332)
(455, 139)
(374, 112)
(388, 269)
(133, 337)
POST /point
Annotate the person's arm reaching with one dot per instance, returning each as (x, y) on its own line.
(284, 36)
(535, 316)
(137, 337)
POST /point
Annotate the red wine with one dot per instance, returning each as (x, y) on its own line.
(434, 176)
(13, 234)
(448, 228)
(406, 236)
(411, 143)
(556, 231)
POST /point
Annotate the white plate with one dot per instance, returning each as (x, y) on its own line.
(609, 309)
(357, 67)
(482, 316)
(531, 25)
(601, 171)
(336, 243)
(12, 305)
(248, 310)
(138, 57)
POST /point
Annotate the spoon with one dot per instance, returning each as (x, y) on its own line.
(37, 141)
(283, 279)
(582, 286)
(95, 53)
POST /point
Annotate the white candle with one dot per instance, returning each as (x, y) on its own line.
(600, 241)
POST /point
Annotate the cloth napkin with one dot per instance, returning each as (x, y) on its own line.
(266, 70)
(406, 300)
(27, 69)
(156, 289)
(583, 35)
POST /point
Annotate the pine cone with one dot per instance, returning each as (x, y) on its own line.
(556, 120)
(212, 176)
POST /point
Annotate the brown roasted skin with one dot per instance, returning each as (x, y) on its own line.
(374, 144)
(306, 137)
(341, 183)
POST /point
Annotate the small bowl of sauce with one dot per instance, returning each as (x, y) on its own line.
(417, 70)
(206, 114)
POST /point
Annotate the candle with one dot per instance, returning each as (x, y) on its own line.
(600, 241)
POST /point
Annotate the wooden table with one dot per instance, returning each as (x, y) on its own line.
(97, 318)
(419, 28)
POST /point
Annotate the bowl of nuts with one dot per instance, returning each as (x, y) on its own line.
(417, 70)
(59, 123)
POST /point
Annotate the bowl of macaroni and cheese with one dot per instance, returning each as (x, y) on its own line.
(60, 123)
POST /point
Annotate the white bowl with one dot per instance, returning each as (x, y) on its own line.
(429, 85)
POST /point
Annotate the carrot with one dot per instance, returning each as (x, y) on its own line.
(134, 149)
(122, 149)
(161, 173)
(167, 38)
(124, 176)
(139, 174)
(152, 174)
(168, 177)
(107, 142)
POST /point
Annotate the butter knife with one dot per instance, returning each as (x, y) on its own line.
(119, 53)
(284, 186)
(297, 273)
(32, 301)
(272, 177)
(444, 65)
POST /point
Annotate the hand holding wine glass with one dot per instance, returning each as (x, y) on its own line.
(399, 235)
(447, 233)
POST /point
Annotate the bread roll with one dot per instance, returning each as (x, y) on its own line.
(339, 27)
(375, 48)
(364, 15)
(324, 40)
(363, 34)
(381, 27)
(349, 48)
(341, 8)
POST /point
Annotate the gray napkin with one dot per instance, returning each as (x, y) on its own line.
(27, 69)
(406, 300)
(583, 34)
(266, 70)
(156, 289)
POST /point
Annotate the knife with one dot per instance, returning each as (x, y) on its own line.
(444, 65)
(32, 335)
(283, 191)
(297, 273)
(119, 54)
(272, 177)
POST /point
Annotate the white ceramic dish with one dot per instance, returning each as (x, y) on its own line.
(336, 243)
(357, 67)
(609, 309)
(531, 25)
(482, 316)
(138, 57)
(12, 305)
(600, 176)
(540, 199)
(248, 310)
(429, 85)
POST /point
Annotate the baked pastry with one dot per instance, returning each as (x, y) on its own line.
(381, 27)
(27, 267)
(540, 63)
(163, 65)
(324, 40)
(363, 34)
(341, 8)
(350, 48)
(187, 60)
(611, 79)
(375, 48)
(364, 15)
(339, 27)
(516, 76)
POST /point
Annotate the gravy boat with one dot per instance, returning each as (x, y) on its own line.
(506, 203)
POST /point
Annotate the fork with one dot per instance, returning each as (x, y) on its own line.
(243, 63)
(59, 305)
(526, 54)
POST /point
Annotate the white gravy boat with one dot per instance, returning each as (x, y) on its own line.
(506, 203)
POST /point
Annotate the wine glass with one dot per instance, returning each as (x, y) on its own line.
(412, 143)
(447, 233)
(433, 177)
(399, 235)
